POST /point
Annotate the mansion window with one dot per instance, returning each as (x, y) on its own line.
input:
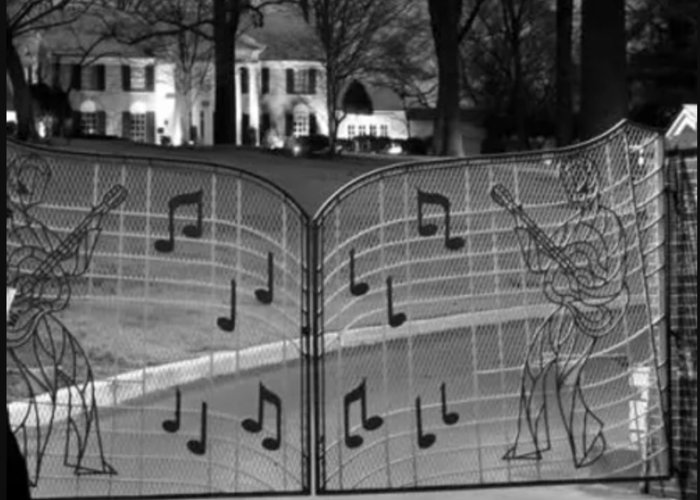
(362, 130)
(88, 123)
(301, 123)
(138, 127)
(301, 81)
(373, 130)
(384, 130)
(138, 78)
(351, 131)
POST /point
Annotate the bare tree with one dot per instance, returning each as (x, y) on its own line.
(348, 31)
(449, 27)
(564, 73)
(25, 17)
(603, 65)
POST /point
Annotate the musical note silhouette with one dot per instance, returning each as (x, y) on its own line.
(191, 231)
(255, 426)
(359, 393)
(450, 418)
(265, 295)
(229, 324)
(199, 447)
(452, 243)
(174, 425)
(425, 440)
(356, 289)
(397, 319)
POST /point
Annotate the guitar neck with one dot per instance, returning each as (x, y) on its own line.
(69, 244)
(545, 242)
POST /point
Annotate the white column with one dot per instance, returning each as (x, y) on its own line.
(254, 100)
(239, 105)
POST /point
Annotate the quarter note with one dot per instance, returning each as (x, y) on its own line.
(199, 447)
(191, 231)
(359, 393)
(255, 426)
(424, 229)
(395, 319)
(174, 425)
(449, 418)
(262, 294)
(356, 289)
(425, 440)
(228, 324)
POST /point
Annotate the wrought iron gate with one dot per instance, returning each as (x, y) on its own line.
(497, 320)
(494, 320)
(158, 342)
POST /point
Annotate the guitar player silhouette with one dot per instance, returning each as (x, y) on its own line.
(583, 268)
(42, 353)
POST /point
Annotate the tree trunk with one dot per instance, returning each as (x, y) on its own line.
(518, 103)
(564, 74)
(445, 18)
(226, 18)
(331, 100)
(22, 97)
(603, 68)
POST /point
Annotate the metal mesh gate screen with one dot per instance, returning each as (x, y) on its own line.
(155, 344)
(496, 320)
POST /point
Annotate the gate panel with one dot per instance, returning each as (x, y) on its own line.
(495, 320)
(171, 359)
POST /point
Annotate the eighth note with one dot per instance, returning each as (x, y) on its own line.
(174, 425)
(228, 324)
(425, 440)
(398, 319)
(450, 418)
(452, 243)
(255, 426)
(265, 295)
(359, 393)
(191, 231)
(356, 289)
(199, 447)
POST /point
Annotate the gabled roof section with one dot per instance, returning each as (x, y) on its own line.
(286, 35)
(382, 98)
(687, 118)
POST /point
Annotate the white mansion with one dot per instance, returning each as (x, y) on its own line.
(279, 84)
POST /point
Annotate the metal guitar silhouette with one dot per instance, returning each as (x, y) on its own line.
(43, 291)
(581, 281)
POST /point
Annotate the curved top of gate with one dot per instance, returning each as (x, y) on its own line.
(396, 169)
(170, 163)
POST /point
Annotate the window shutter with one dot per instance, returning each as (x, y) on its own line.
(56, 77)
(290, 81)
(244, 80)
(150, 127)
(100, 74)
(77, 123)
(313, 127)
(75, 77)
(288, 124)
(126, 77)
(312, 81)
(150, 78)
(264, 122)
(126, 125)
(102, 123)
(265, 84)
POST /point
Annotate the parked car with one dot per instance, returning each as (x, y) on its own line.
(309, 145)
